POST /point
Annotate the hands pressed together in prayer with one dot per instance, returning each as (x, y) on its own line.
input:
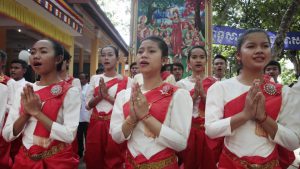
(31, 102)
(255, 103)
(198, 89)
(139, 106)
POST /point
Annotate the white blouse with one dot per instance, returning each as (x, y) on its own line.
(174, 131)
(243, 141)
(3, 102)
(64, 129)
(189, 85)
(103, 105)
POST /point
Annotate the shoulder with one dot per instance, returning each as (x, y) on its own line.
(228, 83)
(182, 82)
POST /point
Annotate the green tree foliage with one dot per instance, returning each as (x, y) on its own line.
(264, 14)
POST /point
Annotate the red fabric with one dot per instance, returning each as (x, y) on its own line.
(140, 159)
(227, 162)
(273, 106)
(75, 145)
(15, 146)
(5, 80)
(176, 36)
(5, 147)
(101, 150)
(52, 104)
(62, 160)
(160, 99)
(164, 75)
(159, 102)
(5, 159)
(122, 84)
(206, 83)
(197, 154)
(69, 80)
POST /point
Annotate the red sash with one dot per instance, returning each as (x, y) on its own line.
(273, 106)
(164, 75)
(206, 83)
(159, 98)
(69, 80)
(52, 96)
(4, 79)
(122, 84)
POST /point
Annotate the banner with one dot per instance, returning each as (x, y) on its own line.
(228, 36)
(175, 21)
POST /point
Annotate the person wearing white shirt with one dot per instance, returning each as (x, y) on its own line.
(48, 119)
(5, 159)
(18, 69)
(219, 67)
(197, 154)
(153, 119)
(254, 115)
(101, 150)
(84, 115)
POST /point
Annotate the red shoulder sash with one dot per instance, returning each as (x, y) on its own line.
(69, 80)
(272, 92)
(206, 83)
(273, 101)
(52, 98)
(159, 99)
(164, 75)
(4, 79)
(122, 84)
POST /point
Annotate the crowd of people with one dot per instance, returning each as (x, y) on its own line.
(154, 119)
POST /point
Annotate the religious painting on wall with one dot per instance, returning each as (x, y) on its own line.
(181, 23)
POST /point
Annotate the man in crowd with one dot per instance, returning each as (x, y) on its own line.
(18, 69)
(177, 71)
(134, 69)
(219, 67)
(84, 115)
(273, 69)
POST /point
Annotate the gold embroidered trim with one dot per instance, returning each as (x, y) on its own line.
(100, 117)
(247, 165)
(52, 151)
(154, 165)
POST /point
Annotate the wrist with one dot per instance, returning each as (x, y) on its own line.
(130, 122)
(262, 119)
(144, 117)
(246, 115)
(132, 119)
(36, 114)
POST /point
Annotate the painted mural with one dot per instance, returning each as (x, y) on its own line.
(181, 23)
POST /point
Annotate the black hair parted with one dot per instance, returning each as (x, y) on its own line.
(161, 44)
(59, 51)
(21, 62)
(132, 64)
(220, 57)
(196, 47)
(114, 48)
(243, 37)
(178, 64)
